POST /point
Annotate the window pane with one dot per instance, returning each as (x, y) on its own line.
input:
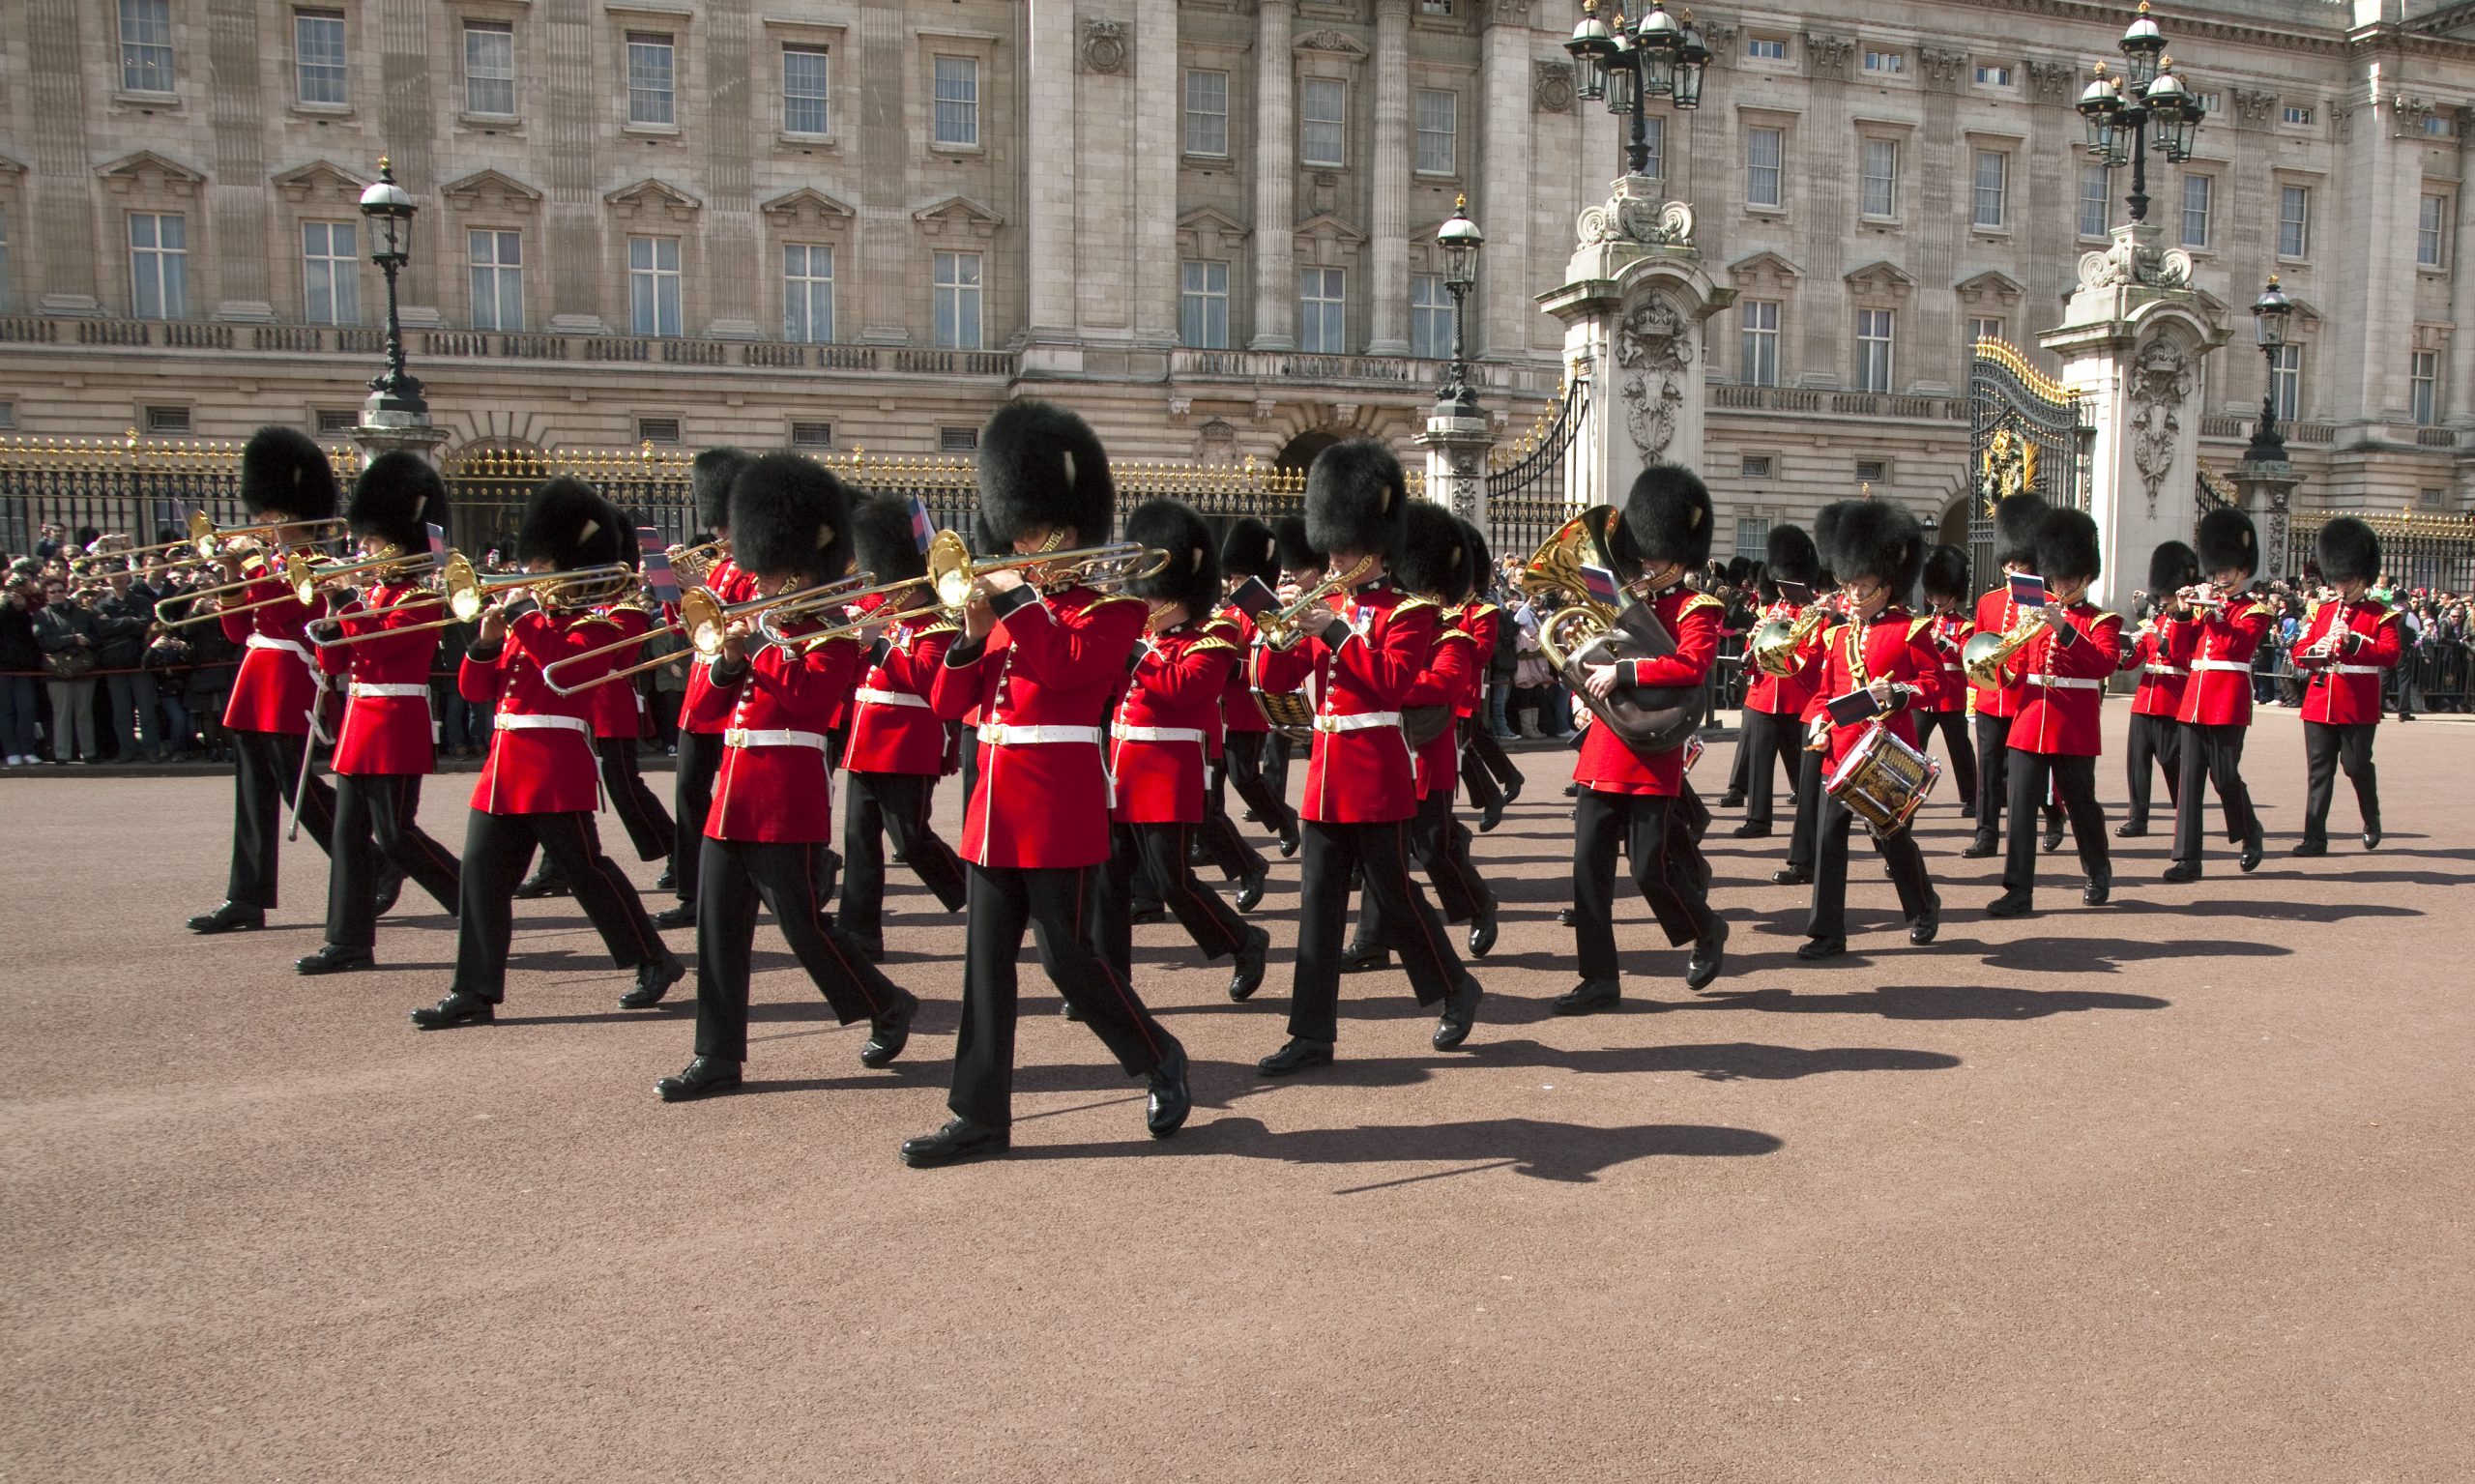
(956, 296)
(1436, 126)
(807, 293)
(1323, 107)
(1654, 134)
(958, 100)
(804, 80)
(2092, 201)
(1873, 350)
(330, 287)
(489, 68)
(1762, 151)
(1203, 305)
(1207, 113)
(651, 75)
(146, 46)
(318, 51)
(2294, 222)
(1321, 311)
(1992, 167)
(1758, 362)
(2432, 232)
(2196, 200)
(1430, 317)
(2287, 381)
(1881, 178)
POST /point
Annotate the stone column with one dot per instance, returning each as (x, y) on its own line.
(2268, 489)
(1500, 323)
(2133, 343)
(1275, 182)
(1457, 451)
(1388, 248)
(1048, 116)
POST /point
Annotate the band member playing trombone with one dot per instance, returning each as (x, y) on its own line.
(700, 746)
(1874, 665)
(2017, 520)
(773, 800)
(2351, 640)
(2156, 742)
(2217, 636)
(1372, 641)
(1661, 537)
(897, 744)
(2065, 665)
(1037, 821)
(384, 747)
(286, 485)
(537, 788)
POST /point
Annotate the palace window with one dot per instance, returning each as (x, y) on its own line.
(958, 101)
(1437, 121)
(1765, 153)
(1430, 316)
(146, 46)
(489, 68)
(1203, 305)
(330, 272)
(159, 265)
(1322, 304)
(1879, 179)
(497, 262)
(652, 79)
(1208, 114)
(956, 291)
(1873, 350)
(652, 285)
(1322, 139)
(807, 107)
(318, 56)
(807, 293)
(1757, 342)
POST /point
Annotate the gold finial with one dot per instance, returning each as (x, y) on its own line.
(1865, 490)
(2144, 6)
(2166, 62)
(1461, 202)
(2273, 281)
(2100, 68)
(385, 164)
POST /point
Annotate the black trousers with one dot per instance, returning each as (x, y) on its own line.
(1331, 857)
(2212, 756)
(2156, 742)
(649, 827)
(876, 806)
(1279, 749)
(1489, 774)
(266, 766)
(1222, 845)
(691, 798)
(1767, 736)
(2325, 746)
(1740, 772)
(2075, 778)
(1440, 844)
(1899, 853)
(1158, 851)
(496, 850)
(1953, 727)
(1243, 755)
(735, 875)
(377, 817)
(1643, 826)
(1994, 777)
(1810, 765)
(1054, 904)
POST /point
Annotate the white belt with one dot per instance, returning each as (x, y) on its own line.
(365, 688)
(518, 721)
(746, 737)
(2166, 670)
(1124, 733)
(1362, 721)
(998, 733)
(867, 696)
(267, 642)
(2065, 682)
(2355, 669)
(1951, 669)
(2240, 666)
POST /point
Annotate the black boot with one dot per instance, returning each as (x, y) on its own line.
(1482, 927)
(2182, 871)
(391, 886)
(889, 1033)
(682, 915)
(459, 1008)
(545, 881)
(2100, 889)
(1928, 923)
(1709, 954)
(2010, 904)
(703, 1077)
(653, 979)
(230, 917)
(2253, 847)
(1588, 998)
(1365, 958)
(1249, 974)
(1983, 846)
(1165, 1108)
(1250, 886)
(333, 958)
(959, 1140)
(1460, 1014)
(1295, 1056)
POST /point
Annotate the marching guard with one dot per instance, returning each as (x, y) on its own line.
(2348, 645)
(2017, 520)
(1943, 711)
(2216, 638)
(1493, 781)
(2056, 736)
(700, 742)
(1773, 703)
(1250, 550)
(2156, 742)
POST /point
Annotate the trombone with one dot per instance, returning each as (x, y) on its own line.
(466, 592)
(692, 564)
(956, 573)
(767, 623)
(1279, 625)
(199, 524)
(213, 545)
(300, 577)
(705, 620)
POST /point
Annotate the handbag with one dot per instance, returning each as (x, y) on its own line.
(68, 664)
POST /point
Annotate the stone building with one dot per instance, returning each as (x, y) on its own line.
(1207, 223)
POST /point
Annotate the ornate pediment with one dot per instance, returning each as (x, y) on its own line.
(1881, 280)
(8, 167)
(1990, 289)
(807, 206)
(1330, 40)
(322, 181)
(1209, 235)
(150, 173)
(958, 216)
(655, 198)
(1326, 241)
(1764, 271)
(490, 190)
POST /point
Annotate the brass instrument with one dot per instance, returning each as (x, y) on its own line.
(466, 592)
(766, 623)
(1775, 641)
(199, 526)
(306, 577)
(1279, 625)
(214, 545)
(956, 573)
(705, 620)
(1585, 631)
(1557, 567)
(692, 564)
(291, 573)
(1985, 655)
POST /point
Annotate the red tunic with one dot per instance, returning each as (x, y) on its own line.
(615, 705)
(1158, 746)
(1785, 696)
(2344, 688)
(1482, 622)
(1360, 772)
(386, 722)
(1994, 614)
(1452, 672)
(731, 585)
(1947, 688)
(1605, 765)
(2065, 684)
(892, 729)
(541, 759)
(276, 686)
(2160, 679)
(2218, 650)
(1238, 712)
(774, 786)
(1042, 798)
(1895, 644)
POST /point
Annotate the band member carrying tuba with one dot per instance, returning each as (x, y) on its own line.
(2350, 641)
(2056, 736)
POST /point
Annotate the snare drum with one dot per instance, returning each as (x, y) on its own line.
(1883, 781)
(1290, 713)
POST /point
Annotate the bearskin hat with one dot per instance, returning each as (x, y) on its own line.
(2173, 566)
(1482, 558)
(1356, 500)
(1792, 557)
(2067, 547)
(1434, 559)
(1249, 550)
(567, 524)
(2017, 520)
(789, 513)
(2228, 542)
(1667, 516)
(2349, 551)
(1873, 538)
(1946, 573)
(397, 499)
(1738, 569)
(281, 469)
(1040, 465)
(1192, 577)
(1826, 521)
(880, 533)
(710, 477)
(1298, 554)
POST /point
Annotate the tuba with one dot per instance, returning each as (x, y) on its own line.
(1585, 631)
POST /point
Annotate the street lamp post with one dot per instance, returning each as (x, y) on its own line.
(395, 393)
(2121, 110)
(1628, 64)
(2269, 315)
(1460, 241)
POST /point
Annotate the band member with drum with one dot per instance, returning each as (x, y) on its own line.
(384, 747)
(286, 483)
(773, 797)
(897, 748)
(1156, 753)
(1772, 703)
(2349, 642)
(1943, 711)
(538, 788)
(1660, 536)
(2217, 634)
(2017, 520)
(1371, 642)
(1037, 823)
(2156, 743)
(1250, 550)
(2056, 735)
(700, 746)
(1874, 666)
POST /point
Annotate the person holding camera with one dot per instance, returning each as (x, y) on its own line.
(124, 625)
(65, 632)
(20, 658)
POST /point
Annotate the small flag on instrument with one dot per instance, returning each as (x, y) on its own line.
(437, 540)
(1251, 597)
(658, 578)
(2028, 589)
(1602, 586)
(923, 530)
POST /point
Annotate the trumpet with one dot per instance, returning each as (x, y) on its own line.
(1279, 625)
(466, 592)
(955, 573)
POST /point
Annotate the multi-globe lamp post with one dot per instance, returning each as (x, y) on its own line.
(2122, 110)
(1628, 64)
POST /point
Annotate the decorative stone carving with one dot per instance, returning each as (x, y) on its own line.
(1508, 13)
(1104, 45)
(2053, 82)
(1552, 90)
(1216, 443)
(2407, 115)
(1653, 354)
(1329, 41)
(2253, 107)
(1639, 219)
(1943, 69)
(2162, 377)
(1826, 55)
(2131, 263)
(1721, 36)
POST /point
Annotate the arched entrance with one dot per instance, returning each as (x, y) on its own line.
(1300, 451)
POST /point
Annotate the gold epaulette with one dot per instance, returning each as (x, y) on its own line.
(2103, 615)
(936, 628)
(1455, 633)
(1412, 601)
(1916, 626)
(1106, 598)
(592, 617)
(1698, 600)
(1210, 642)
(1481, 610)
(2262, 609)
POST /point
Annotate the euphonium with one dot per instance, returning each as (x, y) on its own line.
(1776, 641)
(1984, 656)
(1557, 567)
(1279, 625)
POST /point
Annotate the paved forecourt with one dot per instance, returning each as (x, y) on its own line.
(2174, 1189)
